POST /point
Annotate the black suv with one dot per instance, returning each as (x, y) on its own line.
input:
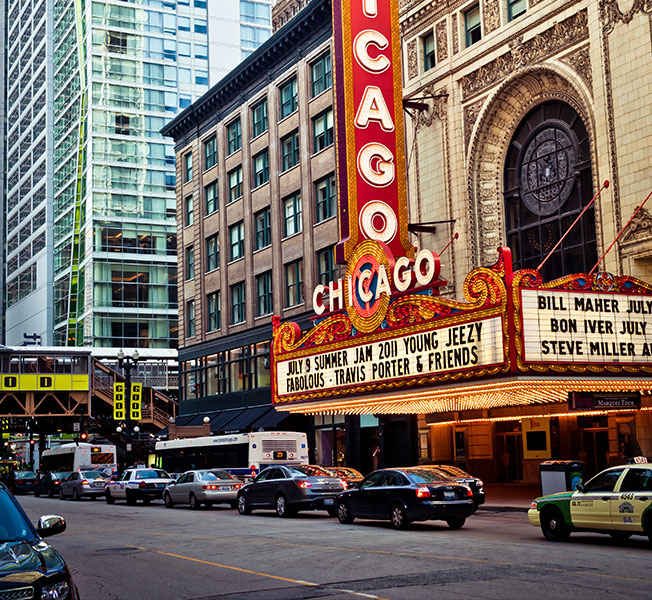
(29, 567)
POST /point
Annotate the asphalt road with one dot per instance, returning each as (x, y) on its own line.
(154, 553)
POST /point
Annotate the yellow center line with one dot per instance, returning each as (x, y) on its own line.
(250, 572)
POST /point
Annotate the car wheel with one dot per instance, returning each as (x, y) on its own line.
(129, 497)
(60, 494)
(194, 503)
(75, 494)
(282, 509)
(109, 498)
(456, 522)
(168, 500)
(344, 513)
(398, 516)
(243, 507)
(553, 526)
(620, 536)
(50, 493)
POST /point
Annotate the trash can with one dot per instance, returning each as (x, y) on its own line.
(560, 475)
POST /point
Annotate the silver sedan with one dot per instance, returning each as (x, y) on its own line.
(81, 484)
(205, 486)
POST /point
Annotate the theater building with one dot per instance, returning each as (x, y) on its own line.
(517, 112)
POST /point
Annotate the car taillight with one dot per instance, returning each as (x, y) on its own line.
(210, 487)
(237, 486)
(304, 484)
(142, 484)
(469, 492)
(423, 492)
(84, 482)
(57, 483)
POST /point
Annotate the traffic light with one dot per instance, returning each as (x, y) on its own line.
(32, 442)
(83, 436)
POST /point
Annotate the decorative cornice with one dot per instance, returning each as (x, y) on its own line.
(611, 12)
(558, 37)
(639, 230)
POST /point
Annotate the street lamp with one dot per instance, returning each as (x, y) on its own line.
(127, 363)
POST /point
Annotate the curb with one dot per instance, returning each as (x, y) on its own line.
(494, 508)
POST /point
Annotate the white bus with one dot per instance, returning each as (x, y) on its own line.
(72, 457)
(243, 455)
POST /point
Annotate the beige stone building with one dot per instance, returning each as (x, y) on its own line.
(531, 105)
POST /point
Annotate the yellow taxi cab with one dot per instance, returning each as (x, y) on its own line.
(617, 501)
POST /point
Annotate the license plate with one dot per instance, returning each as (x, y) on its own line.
(225, 487)
(449, 495)
(160, 485)
(329, 502)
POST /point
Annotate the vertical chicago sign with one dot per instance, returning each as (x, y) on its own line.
(369, 117)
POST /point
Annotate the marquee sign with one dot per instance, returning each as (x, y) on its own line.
(369, 126)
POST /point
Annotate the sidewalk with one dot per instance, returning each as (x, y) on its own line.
(510, 497)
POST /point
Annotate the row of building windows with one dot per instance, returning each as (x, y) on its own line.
(472, 29)
(294, 292)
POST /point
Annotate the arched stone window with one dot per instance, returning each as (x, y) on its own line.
(547, 182)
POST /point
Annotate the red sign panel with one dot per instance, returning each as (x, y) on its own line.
(369, 125)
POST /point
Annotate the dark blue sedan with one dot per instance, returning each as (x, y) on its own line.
(405, 495)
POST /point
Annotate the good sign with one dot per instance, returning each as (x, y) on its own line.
(458, 347)
(574, 327)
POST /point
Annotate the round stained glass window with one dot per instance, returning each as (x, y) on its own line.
(547, 171)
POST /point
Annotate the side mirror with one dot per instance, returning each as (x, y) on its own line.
(50, 525)
(580, 487)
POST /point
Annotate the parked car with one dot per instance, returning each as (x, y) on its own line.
(617, 501)
(83, 484)
(29, 566)
(206, 486)
(348, 475)
(405, 495)
(138, 483)
(476, 484)
(24, 482)
(289, 490)
(48, 484)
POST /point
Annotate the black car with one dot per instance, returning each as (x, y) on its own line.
(29, 566)
(24, 482)
(48, 485)
(290, 489)
(476, 484)
(405, 495)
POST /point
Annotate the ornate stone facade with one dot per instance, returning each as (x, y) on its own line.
(442, 41)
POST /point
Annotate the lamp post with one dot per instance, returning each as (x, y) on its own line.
(127, 363)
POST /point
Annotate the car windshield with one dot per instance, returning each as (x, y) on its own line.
(61, 475)
(25, 475)
(420, 476)
(222, 474)
(13, 527)
(92, 475)
(309, 470)
(151, 474)
(206, 476)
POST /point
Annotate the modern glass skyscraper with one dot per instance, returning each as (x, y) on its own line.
(90, 201)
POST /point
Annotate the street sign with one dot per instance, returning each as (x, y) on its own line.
(119, 401)
(76, 427)
(136, 397)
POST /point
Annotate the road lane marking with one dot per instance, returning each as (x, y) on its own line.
(258, 573)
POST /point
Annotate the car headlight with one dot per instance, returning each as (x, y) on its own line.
(56, 591)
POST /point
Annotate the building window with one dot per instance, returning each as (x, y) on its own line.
(210, 152)
(236, 238)
(294, 283)
(322, 130)
(261, 168)
(234, 136)
(190, 262)
(326, 265)
(263, 228)
(428, 44)
(515, 8)
(190, 318)
(211, 198)
(235, 184)
(259, 117)
(212, 252)
(321, 74)
(292, 214)
(264, 290)
(290, 150)
(472, 26)
(190, 211)
(325, 190)
(289, 97)
(122, 126)
(116, 42)
(214, 320)
(187, 163)
(238, 303)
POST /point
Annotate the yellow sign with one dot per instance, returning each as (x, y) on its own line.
(119, 401)
(33, 382)
(536, 437)
(136, 397)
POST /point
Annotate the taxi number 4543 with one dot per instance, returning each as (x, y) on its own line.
(626, 496)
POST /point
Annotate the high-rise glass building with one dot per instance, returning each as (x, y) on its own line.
(90, 206)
